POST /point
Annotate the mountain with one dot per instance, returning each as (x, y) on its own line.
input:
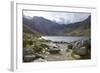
(27, 29)
(80, 28)
(47, 27)
(42, 25)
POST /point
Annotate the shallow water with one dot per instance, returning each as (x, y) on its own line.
(65, 38)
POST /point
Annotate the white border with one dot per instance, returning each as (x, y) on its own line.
(17, 38)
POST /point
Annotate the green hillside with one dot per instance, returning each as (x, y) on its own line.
(86, 32)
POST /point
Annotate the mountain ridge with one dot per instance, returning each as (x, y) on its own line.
(48, 27)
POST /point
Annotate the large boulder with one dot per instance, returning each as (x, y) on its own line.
(82, 47)
(81, 51)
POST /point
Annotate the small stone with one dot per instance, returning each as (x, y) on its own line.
(40, 60)
(76, 56)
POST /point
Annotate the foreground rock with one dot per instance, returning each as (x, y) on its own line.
(40, 60)
(29, 55)
(54, 51)
(29, 58)
(81, 49)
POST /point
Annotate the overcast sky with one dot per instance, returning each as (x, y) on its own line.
(59, 17)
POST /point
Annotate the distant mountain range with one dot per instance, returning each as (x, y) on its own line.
(82, 28)
(44, 26)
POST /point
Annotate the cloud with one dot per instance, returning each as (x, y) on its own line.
(59, 17)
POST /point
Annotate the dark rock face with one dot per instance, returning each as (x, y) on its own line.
(82, 48)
